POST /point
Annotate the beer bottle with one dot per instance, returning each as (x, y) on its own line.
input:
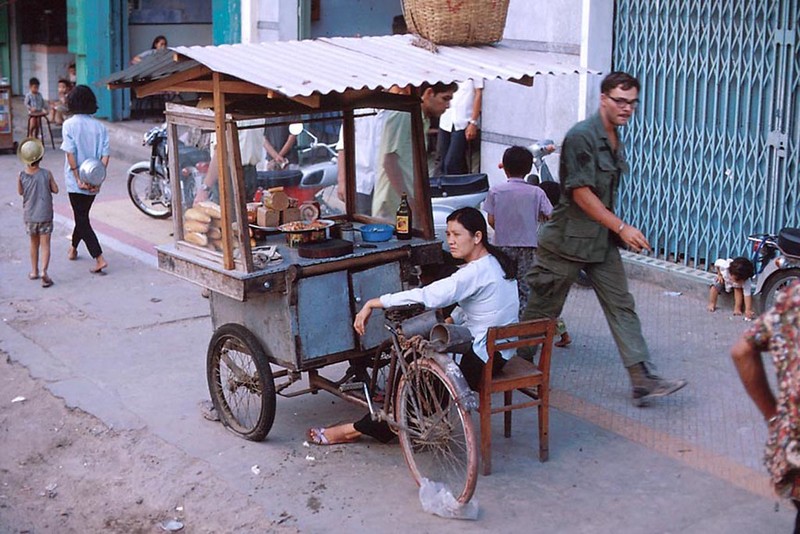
(403, 220)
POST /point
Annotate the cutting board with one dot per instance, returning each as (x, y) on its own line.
(332, 248)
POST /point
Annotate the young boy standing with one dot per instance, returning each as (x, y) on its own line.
(37, 185)
(515, 209)
(733, 275)
(34, 102)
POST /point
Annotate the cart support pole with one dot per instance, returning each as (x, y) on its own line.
(223, 172)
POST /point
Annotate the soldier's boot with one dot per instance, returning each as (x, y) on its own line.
(647, 385)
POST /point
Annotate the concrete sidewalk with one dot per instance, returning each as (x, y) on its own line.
(130, 348)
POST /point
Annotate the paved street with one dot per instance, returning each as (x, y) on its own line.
(130, 349)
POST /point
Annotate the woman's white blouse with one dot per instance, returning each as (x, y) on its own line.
(485, 299)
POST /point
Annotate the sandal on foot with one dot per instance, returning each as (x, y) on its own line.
(564, 341)
(316, 435)
(98, 270)
(47, 281)
(33, 276)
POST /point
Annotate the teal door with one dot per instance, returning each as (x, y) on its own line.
(97, 32)
(713, 145)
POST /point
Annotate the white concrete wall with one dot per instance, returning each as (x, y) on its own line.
(576, 32)
(269, 20)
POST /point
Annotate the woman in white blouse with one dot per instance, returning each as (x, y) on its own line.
(485, 289)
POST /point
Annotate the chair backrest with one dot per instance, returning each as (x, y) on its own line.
(525, 334)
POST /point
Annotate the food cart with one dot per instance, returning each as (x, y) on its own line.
(276, 304)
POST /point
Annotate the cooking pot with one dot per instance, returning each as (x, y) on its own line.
(92, 171)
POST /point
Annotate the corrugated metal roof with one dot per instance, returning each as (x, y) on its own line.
(155, 66)
(337, 64)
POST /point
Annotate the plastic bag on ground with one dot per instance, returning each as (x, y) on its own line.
(437, 499)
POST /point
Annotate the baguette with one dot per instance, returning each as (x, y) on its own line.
(196, 238)
(195, 226)
(211, 209)
(195, 214)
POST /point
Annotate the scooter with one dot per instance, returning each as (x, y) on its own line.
(149, 184)
(777, 262)
(541, 171)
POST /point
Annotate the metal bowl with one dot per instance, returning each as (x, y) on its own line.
(92, 171)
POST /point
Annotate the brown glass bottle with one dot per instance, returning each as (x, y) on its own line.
(403, 219)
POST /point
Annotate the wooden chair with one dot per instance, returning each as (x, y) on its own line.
(531, 379)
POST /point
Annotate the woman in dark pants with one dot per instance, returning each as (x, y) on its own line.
(485, 289)
(84, 137)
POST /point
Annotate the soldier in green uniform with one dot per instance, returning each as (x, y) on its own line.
(584, 233)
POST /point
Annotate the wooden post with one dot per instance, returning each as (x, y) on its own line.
(239, 203)
(223, 171)
(177, 190)
(422, 211)
(349, 134)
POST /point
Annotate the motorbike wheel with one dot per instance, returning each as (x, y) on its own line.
(240, 382)
(777, 281)
(150, 193)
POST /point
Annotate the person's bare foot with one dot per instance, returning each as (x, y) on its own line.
(736, 312)
(333, 435)
(72, 253)
(99, 266)
(33, 276)
(711, 308)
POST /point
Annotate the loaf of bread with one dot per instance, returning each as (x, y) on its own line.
(196, 214)
(195, 226)
(196, 238)
(211, 209)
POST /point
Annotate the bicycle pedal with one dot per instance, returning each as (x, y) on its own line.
(352, 386)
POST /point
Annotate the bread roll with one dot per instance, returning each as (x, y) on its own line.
(211, 209)
(195, 226)
(195, 214)
(196, 238)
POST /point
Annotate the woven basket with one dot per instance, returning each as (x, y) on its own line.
(457, 22)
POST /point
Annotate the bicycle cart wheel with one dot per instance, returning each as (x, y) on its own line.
(436, 434)
(240, 382)
(151, 194)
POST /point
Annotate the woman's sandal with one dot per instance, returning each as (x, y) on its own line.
(46, 281)
(33, 276)
(316, 435)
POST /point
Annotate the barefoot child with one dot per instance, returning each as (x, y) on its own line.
(37, 185)
(733, 275)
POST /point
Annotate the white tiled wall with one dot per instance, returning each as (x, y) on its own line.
(48, 63)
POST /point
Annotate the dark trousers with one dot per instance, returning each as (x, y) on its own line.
(797, 518)
(81, 204)
(451, 153)
(472, 369)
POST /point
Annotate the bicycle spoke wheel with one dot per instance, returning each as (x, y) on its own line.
(240, 382)
(436, 434)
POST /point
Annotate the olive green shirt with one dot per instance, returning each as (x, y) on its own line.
(587, 160)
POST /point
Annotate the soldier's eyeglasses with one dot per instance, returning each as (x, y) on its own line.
(622, 103)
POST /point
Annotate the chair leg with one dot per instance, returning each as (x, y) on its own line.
(485, 412)
(544, 425)
(50, 131)
(507, 415)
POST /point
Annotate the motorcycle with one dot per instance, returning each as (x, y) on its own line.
(777, 262)
(149, 183)
(450, 192)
